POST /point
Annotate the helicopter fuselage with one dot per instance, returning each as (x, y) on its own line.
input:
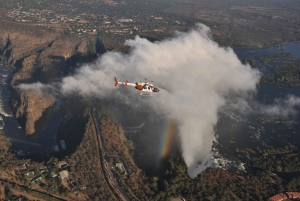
(145, 88)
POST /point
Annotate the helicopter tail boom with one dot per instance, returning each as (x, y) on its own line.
(126, 83)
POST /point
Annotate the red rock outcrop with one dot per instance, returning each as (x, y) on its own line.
(28, 106)
(39, 54)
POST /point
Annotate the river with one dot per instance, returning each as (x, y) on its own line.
(43, 140)
(249, 130)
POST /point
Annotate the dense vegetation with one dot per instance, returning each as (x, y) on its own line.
(275, 57)
(73, 125)
(284, 68)
(119, 149)
(262, 180)
(13, 170)
(259, 183)
(86, 166)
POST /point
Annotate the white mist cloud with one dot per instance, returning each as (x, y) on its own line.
(246, 104)
(282, 107)
(38, 87)
(197, 72)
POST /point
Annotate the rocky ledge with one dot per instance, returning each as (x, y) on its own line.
(28, 107)
(41, 54)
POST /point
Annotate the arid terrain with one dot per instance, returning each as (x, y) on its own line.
(46, 41)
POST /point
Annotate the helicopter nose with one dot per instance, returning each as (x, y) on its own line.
(156, 90)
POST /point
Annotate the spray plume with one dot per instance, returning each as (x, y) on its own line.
(198, 72)
(283, 107)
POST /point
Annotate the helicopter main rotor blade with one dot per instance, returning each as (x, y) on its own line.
(159, 85)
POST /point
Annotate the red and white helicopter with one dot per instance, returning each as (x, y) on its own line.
(146, 89)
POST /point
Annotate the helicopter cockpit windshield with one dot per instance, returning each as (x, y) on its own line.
(147, 90)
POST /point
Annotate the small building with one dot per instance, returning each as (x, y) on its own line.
(62, 164)
(52, 174)
(293, 195)
(56, 149)
(21, 153)
(64, 174)
(158, 18)
(23, 166)
(120, 167)
(37, 179)
(278, 197)
(29, 173)
(63, 144)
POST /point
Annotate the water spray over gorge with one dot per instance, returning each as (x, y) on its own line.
(197, 73)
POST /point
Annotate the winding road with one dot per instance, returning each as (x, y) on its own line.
(111, 181)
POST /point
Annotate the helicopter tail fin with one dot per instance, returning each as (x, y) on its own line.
(116, 82)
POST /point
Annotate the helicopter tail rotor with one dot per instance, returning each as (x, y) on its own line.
(116, 82)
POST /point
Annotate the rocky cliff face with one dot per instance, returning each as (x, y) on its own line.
(28, 107)
(40, 54)
(25, 72)
(19, 41)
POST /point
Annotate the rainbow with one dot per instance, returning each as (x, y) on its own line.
(167, 139)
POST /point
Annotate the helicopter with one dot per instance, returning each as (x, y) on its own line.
(146, 89)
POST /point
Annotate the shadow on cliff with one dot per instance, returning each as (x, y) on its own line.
(154, 136)
(87, 57)
(73, 126)
(58, 65)
(74, 120)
